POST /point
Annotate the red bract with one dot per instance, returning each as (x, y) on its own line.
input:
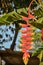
(29, 39)
(23, 50)
(25, 54)
(29, 43)
(29, 34)
(23, 45)
(28, 29)
(23, 41)
(23, 31)
(24, 18)
(26, 57)
(24, 36)
(26, 44)
(31, 16)
(28, 47)
(23, 25)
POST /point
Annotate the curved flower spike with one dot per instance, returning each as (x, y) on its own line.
(26, 57)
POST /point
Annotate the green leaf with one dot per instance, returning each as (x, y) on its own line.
(41, 63)
(36, 24)
(9, 18)
(40, 56)
(37, 51)
(14, 16)
(24, 10)
(40, 20)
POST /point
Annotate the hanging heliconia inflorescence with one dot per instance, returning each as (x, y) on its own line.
(26, 41)
(27, 36)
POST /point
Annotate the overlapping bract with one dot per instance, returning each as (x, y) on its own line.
(26, 41)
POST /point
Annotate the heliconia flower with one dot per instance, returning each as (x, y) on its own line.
(29, 43)
(24, 18)
(26, 47)
(29, 47)
(26, 54)
(31, 16)
(23, 25)
(28, 24)
(29, 39)
(24, 36)
(23, 31)
(26, 57)
(29, 34)
(28, 28)
(25, 61)
(23, 41)
(23, 45)
(23, 50)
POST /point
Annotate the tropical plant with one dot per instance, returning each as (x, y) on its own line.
(30, 17)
